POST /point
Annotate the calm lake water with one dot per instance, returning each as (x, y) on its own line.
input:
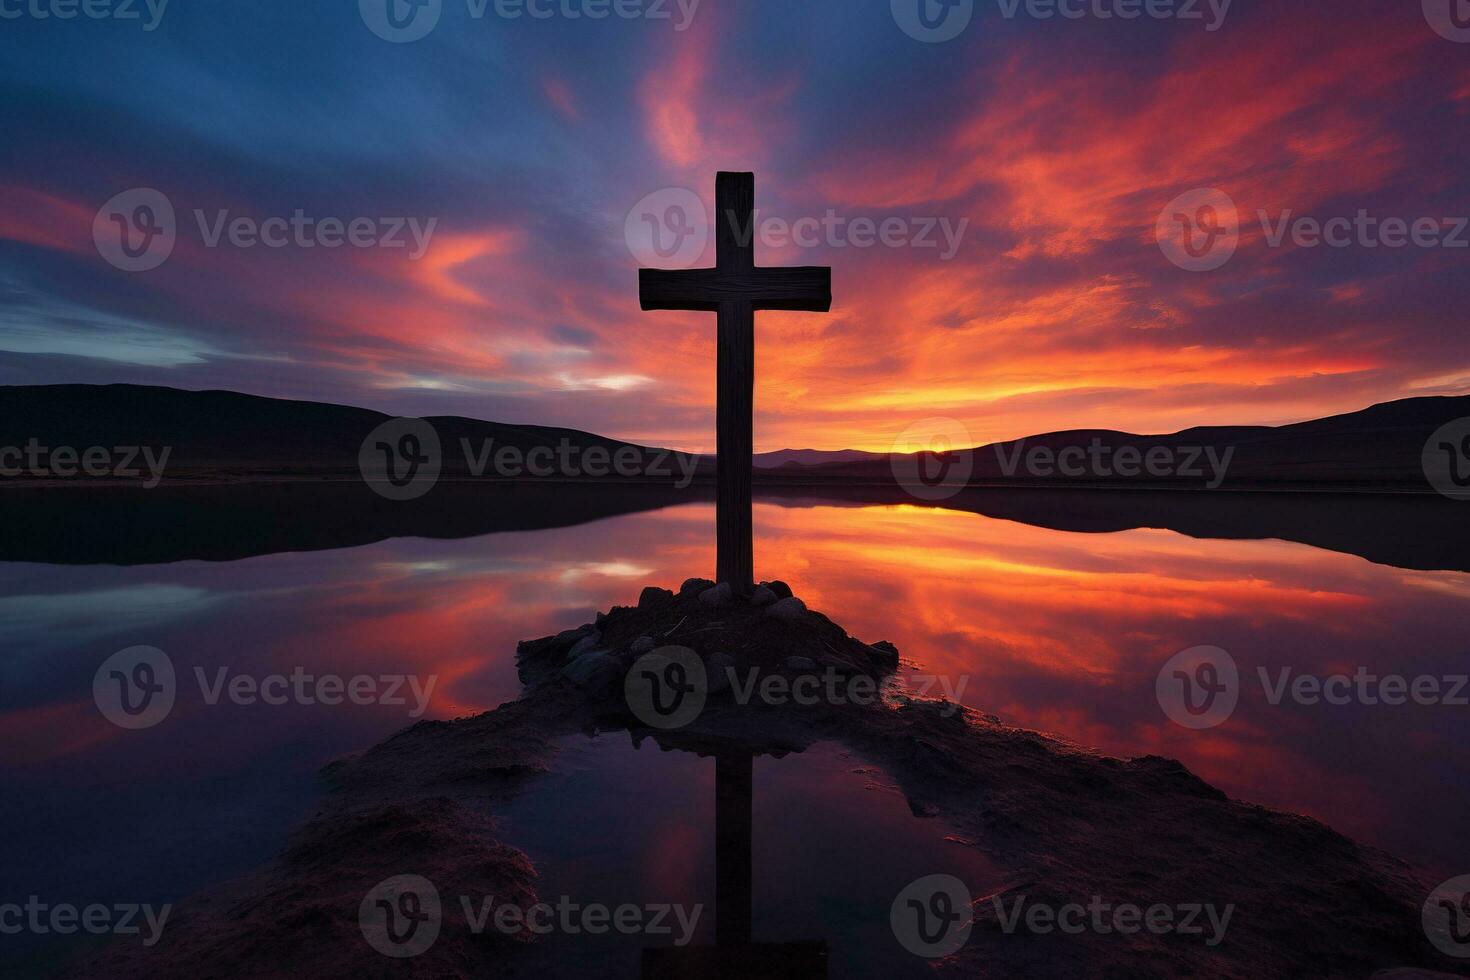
(1059, 631)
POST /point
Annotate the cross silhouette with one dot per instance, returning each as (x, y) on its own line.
(735, 288)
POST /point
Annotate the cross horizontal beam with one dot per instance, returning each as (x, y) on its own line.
(807, 288)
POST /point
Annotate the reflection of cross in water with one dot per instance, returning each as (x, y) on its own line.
(734, 826)
(734, 955)
(735, 289)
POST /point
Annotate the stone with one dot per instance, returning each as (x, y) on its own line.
(717, 595)
(694, 586)
(597, 671)
(789, 609)
(568, 637)
(654, 596)
(586, 644)
(717, 672)
(886, 653)
(645, 644)
(800, 663)
(782, 590)
(763, 596)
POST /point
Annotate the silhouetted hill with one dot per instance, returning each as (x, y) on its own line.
(811, 457)
(225, 435)
(1380, 447)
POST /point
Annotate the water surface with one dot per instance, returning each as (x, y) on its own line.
(1056, 630)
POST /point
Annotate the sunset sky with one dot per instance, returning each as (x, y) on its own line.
(529, 141)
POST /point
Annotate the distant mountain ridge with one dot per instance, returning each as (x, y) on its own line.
(1379, 447)
(233, 436)
(810, 457)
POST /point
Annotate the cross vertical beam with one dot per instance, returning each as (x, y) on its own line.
(735, 388)
(735, 289)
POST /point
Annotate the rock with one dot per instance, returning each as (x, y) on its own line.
(568, 637)
(586, 644)
(887, 653)
(654, 596)
(694, 586)
(789, 608)
(763, 596)
(717, 670)
(800, 663)
(596, 672)
(718, 595)
(645, 644)
(600, 620)
(782, 590)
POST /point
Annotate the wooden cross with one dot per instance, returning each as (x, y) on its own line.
(735, 288)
